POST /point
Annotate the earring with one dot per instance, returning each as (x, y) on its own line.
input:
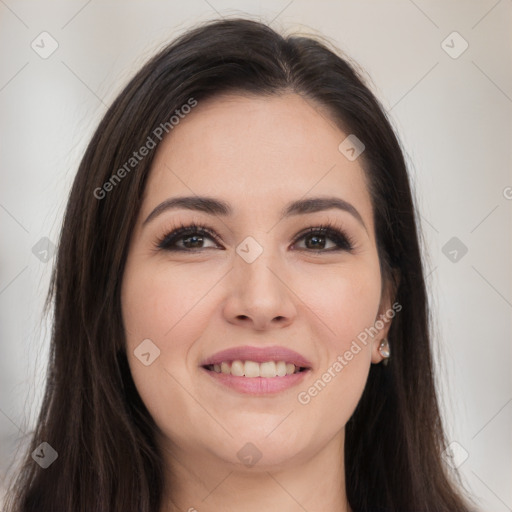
(384, 351)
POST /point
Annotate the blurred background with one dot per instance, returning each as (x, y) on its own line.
(442, 70)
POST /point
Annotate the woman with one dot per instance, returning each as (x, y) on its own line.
(239, 262)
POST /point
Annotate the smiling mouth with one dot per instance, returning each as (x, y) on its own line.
(252, 369)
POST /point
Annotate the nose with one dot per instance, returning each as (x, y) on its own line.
(259, 295)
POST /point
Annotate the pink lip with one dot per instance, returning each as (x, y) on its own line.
(258, 355)
(258, 385)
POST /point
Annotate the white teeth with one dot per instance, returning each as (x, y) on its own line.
(253, 369)
(266, 369)
(237, 368)
(281, 368)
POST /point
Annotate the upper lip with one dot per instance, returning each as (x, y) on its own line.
(258, 355)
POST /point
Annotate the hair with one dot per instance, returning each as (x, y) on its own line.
(92, 414)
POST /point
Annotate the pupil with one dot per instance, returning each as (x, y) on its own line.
(316, 238)
(196, 238)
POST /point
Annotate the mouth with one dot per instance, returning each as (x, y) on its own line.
(254, 369)
(257, 371)
(257, 379)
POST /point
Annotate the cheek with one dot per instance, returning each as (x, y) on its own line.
(164, 306)
(170, 304)
(347, 302)
(158, 303)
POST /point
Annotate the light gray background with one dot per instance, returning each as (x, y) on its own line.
(453, 116)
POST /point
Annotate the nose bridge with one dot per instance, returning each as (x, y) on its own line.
(257, 290)
(256, 264)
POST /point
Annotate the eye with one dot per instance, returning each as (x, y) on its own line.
(316, 239)
(192, 237)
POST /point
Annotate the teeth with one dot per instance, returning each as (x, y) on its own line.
(266, 369)
(290, 368)
(281, 369)
(237, 368)
(253, 369)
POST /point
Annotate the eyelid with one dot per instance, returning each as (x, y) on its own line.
(181, 230)
(330, 229)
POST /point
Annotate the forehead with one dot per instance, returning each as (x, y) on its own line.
(256, 152)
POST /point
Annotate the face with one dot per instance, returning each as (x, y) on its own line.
(253, 278)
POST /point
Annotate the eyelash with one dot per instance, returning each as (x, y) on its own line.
(328, 229)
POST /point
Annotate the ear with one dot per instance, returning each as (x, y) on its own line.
(388, 308)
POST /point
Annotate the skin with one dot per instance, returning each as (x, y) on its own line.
(256, 153)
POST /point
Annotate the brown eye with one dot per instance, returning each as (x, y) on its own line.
(316, 239)
(193, 238)
(187, 238)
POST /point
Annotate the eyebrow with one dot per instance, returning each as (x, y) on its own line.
(214, 206)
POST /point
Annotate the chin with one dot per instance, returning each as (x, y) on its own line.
(260, 451)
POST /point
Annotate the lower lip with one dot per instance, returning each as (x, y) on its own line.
(258, 385)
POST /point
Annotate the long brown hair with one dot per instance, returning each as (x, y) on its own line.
(92, 414)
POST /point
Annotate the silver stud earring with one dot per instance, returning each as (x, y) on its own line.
(384, 351)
